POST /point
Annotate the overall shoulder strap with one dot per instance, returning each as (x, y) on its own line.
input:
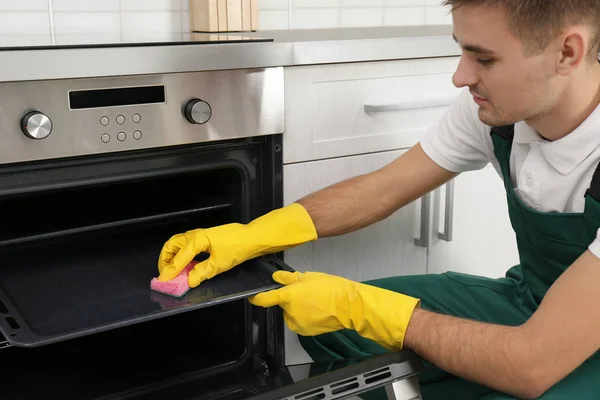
(506, 132)
(594, 189)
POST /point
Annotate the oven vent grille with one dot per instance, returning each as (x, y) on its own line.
(343, 388)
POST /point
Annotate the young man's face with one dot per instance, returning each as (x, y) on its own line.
(507, 85)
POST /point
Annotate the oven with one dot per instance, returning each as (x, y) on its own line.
(95, 175)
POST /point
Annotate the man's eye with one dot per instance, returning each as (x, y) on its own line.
(485, 61)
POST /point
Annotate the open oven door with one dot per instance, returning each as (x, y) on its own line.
(171, 350)
(391, 376)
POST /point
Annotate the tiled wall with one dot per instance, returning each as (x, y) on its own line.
(303, 14)
(68, 21)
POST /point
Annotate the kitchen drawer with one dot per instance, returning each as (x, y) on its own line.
(346, 109)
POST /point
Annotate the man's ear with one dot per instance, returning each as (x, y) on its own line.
(572, 50)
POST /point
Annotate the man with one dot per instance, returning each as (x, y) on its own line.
(530, 107)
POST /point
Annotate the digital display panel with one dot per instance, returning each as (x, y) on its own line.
(97, 98)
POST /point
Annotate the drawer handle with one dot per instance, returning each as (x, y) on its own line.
(411, 105)
(423, 240)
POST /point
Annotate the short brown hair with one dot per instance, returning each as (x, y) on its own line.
(537, 22)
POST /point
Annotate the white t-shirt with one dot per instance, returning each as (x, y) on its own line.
(547, 176)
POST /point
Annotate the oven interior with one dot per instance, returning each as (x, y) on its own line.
(79, 244)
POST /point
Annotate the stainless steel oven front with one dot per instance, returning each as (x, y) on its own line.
(95, 175)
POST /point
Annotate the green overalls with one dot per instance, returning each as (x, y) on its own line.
(548, 244)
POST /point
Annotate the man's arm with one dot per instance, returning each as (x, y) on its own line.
(526, 360)
(363, 200)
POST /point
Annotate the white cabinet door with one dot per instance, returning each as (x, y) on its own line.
(381, 250)
(482, 239)
(348, 109)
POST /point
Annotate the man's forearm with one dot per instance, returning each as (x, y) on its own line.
(364, 200)
(492, 355)
(346, 206)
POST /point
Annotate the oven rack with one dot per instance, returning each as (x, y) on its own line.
(4, 344)
(105, 227)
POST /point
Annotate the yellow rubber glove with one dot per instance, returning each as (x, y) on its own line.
(315, 303)
(232, 244)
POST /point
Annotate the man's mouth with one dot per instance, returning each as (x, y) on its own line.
(478, 99)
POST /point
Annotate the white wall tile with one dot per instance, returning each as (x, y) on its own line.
(72, 23)
(151, 22)
(151, 5)
(23, 5)
(315, 3)
(24, 23)
(112, 37)
(85, 5)
(160, 36)
(361, 3)
(273, 4)
(404, 3)
(273, 19)
(185, 21)
(98, 19)
(25, 40)
(361, 17)
(404, 16)
(315, 18)
(437, 16)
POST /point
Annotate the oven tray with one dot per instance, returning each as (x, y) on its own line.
(54, 293)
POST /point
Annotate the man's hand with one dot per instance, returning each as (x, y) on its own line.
(525, 360)
(316, 303)
(232, 244)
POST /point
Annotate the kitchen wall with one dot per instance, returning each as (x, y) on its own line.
(69, 21)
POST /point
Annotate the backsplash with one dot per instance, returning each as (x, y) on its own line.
(71, 21)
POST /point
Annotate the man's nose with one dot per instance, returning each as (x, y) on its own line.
(465, 74)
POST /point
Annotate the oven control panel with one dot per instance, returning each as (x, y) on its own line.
(78, 117)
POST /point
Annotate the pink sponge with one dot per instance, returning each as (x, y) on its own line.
(177, 286)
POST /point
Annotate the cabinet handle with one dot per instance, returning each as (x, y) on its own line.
(448, 213)
(410, 105)
(423, 240)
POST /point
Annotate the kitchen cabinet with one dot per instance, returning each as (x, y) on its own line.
(482, 241)
(344, 120)
(384, 249)
(477, 238)
(356, 108)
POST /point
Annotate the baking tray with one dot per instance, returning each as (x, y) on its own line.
(75, 288)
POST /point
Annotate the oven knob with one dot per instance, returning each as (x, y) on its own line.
(198, 111)
(36, 125)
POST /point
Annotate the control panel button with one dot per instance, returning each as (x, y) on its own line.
(121, 136)
(104, 121)
(36, 125)
(105, 138)
(120, 119)
(136, 118)
(137, 135)
(198, 111)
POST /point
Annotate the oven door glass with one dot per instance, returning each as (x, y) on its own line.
(388, 376)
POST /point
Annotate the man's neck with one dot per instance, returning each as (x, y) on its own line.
(573, 108)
